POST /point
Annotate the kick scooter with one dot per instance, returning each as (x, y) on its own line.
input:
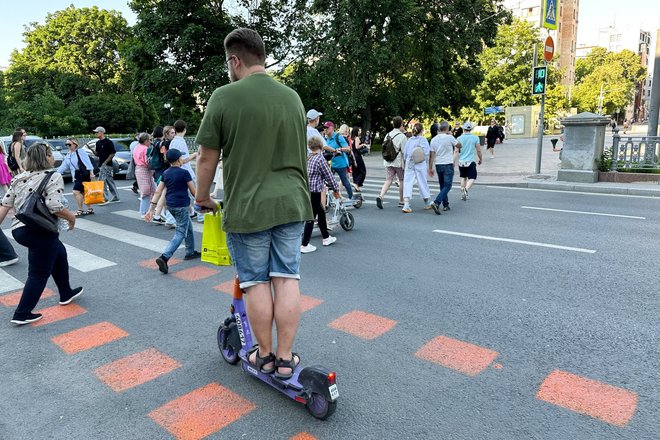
(315, 386)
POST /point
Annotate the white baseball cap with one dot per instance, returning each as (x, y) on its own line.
(99, 129)
(313, 114)
(468, 126)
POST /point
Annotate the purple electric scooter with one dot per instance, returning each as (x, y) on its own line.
(315, 387)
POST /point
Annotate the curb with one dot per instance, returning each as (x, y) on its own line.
(616, 190)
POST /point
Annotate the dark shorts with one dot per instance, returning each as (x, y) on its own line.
(468, 172)
(490, 144)
(78, 185)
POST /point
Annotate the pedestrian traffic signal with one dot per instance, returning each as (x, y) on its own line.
(538, 80)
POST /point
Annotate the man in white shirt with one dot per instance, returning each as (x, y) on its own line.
(179, 143)
(444, 152)
(394, 168)
(313, 119)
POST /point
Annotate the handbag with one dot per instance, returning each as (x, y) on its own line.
(11, 162)
(34, 213)
(214, 241)
(82, 173)
(94, 192)
(363, 151)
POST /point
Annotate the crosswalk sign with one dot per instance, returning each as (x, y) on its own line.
(550, 10)
(539, 80)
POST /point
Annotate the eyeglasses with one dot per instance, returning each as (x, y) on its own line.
(68, 145)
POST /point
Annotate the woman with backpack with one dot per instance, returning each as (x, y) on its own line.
(16, 153)
(360, 169)
(143, 174)
(416, 166)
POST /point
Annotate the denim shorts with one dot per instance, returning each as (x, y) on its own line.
(273, 253)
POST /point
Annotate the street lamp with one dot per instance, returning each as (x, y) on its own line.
(167, 106)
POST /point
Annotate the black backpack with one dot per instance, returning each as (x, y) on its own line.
(156, 161)
(389, 150)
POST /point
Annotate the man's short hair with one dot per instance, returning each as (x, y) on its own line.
(247, 45)
(397, 121)
(179, 126)
(444, 126)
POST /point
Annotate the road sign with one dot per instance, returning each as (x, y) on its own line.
(550, 10)
(548, 49)
(538, 80)
(494, 109)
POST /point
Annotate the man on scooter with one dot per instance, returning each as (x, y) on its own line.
(266, 199)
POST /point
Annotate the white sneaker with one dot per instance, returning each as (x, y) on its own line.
(328, 241)
(307, 249)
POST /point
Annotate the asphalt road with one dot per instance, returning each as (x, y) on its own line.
(506, 318)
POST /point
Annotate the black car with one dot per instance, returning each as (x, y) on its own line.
(122, 156)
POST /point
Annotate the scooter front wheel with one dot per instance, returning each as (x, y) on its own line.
(357, 203)
(346, 221)
(228, 353)
(319, 407)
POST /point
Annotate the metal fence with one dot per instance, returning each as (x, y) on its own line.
(635, 152)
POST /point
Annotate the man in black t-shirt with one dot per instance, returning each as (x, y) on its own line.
(105, 150)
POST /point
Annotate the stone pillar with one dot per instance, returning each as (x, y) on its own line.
(584, 140)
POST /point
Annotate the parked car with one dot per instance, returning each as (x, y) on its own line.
(59, 149)
(122, 156)
(29, 140)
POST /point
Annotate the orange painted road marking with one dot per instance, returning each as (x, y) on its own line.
(309, 302)
(461, 356)
(303, 436)
(12, 299)
(201, 412)
(58, 313)
(88, 337)
(151, 263)
(195, 273)
(363, 325)
(226, 287)
(599, 400)
(136, 369)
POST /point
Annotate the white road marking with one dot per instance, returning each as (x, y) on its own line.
(8, 283)
(79, 259)
(584, 212)
(573, 192)
(197, 227)
(510, 240)
(122, 235)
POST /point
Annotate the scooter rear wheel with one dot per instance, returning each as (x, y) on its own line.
(357, 203)
(319, 407)
(228, 353)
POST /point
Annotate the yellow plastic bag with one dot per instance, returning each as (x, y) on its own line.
(93, 192)
(214, 241)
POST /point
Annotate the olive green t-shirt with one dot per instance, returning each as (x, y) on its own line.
(260, 126)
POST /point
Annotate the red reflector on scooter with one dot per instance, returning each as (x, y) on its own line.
(300, 399)
(332, 378)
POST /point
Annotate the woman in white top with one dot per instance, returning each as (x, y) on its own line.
(416, 164)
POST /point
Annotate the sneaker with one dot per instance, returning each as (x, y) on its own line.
(8, 262)
(170, 225)
(466, 194)
(406, 209)
(162, 264)
(75, 293)
(328, 241)
(193, 216)
(379, 202)
(26, 319)
(307, 249)
(436, 208)
(401, 205)
(195, 254)
(158, 220)
(134, 189)
(114, 201)
(104, 203)
(446, 208)
(463, 194)
(428, 207)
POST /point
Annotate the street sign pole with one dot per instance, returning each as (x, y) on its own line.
(539, 140)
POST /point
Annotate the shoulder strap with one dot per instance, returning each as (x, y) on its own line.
(44, 182)
(79, 160)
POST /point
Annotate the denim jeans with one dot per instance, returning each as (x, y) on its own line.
(445, 177)
(343, 176)
(105, 174)
(183, 230)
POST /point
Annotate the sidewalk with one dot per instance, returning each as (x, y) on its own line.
(515, 163)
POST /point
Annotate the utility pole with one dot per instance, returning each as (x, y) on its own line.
(654, 112)
(601, 97)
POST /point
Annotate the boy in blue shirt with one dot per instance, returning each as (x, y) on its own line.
(178, 182)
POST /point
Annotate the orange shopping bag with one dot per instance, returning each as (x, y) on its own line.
(94, 192)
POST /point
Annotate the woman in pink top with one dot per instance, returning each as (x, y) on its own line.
(143, 174)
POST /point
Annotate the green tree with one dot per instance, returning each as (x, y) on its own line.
(367, 61)
(118, 113)
(613, 74)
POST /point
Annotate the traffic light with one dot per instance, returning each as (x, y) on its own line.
(538, 80)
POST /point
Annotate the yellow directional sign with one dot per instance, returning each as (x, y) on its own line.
(550, 14)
